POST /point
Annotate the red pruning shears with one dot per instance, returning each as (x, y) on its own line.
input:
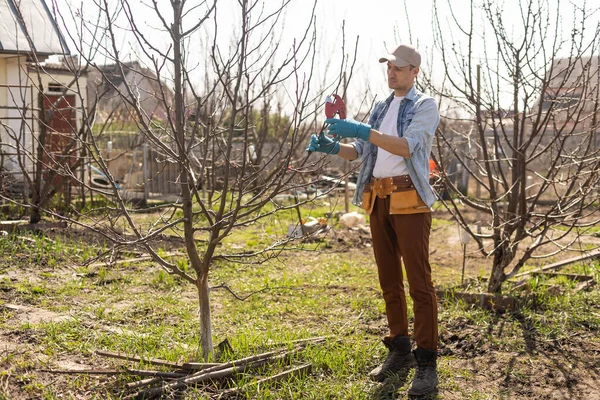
(335, 105)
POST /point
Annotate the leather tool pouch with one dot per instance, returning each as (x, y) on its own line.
(407, 201)
(368, 200)
(403, 196)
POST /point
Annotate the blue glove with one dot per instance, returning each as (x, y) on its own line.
(323, 144)
(349, 128)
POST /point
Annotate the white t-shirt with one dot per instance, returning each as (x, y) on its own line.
(389, 164)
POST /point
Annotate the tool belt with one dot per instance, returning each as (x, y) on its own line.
(404, 198)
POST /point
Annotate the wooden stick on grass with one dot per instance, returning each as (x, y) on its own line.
(152, 361)
(156, 361)
(198, 366)
(290, 373)
(161, 374)
(313, 340)
(217, 372)
(143, 383)
(84, 371)
(138, 372)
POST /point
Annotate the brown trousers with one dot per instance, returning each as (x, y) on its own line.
(404, 238)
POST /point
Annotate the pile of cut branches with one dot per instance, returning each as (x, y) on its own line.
(204, 376)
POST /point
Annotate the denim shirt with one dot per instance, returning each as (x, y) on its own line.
(418, 118)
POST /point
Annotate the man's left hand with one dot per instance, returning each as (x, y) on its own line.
(348, 128)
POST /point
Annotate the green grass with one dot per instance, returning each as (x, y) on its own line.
(139, 309)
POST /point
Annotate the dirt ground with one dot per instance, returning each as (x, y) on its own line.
(566, 369)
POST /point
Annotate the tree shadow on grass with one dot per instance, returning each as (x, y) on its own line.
(430, 396)
(388, 390)
(568, 364)
(568, 367)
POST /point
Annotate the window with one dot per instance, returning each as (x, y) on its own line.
(55, 87)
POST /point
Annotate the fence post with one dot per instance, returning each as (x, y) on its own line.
(145, 167)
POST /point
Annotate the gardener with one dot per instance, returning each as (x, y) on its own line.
(393, 187)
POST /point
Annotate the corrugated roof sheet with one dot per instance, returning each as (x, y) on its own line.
(33, 16)
(576, 72)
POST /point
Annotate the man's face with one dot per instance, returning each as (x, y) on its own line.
(401, 79)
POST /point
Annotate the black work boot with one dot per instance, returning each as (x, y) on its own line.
(426, 378)
(399, 357)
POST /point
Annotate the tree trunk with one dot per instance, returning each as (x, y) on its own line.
(205, 320)
(201, 267)
(36, 214)
(496, 279)
(502, 257)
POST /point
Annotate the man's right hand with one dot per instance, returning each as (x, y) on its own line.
(323, 144)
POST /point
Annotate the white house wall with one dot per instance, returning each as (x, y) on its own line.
(17, 119)
(3, 103)
(2, 89)
(18, 91)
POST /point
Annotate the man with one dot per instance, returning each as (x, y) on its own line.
(393, 186)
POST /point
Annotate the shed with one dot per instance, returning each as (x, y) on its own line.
(29, 34)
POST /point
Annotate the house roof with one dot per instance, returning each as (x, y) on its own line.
(21, 17)
(149, 89)
(110, 76)
(570, 73)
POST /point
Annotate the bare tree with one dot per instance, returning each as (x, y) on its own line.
(209, 130)
(528, 97)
